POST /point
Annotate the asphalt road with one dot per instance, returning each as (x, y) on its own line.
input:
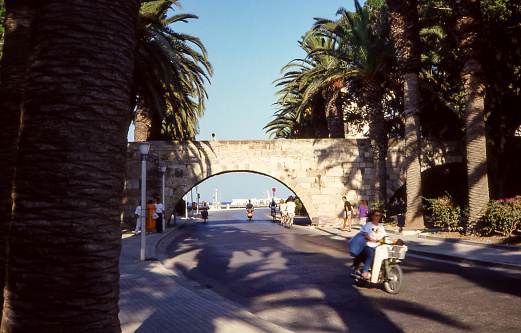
(299, 279)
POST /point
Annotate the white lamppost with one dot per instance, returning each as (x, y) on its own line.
(143, 150)
(163, 170)
(186, 206)
(197, 197)
(192, 201)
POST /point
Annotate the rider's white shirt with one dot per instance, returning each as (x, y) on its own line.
(283, 208)
(290, 207)
(375, 232)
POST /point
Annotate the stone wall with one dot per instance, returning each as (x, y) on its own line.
(318, 171)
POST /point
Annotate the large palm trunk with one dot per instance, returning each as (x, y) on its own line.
(403, 18)
(414, 213)
(14, 63)
(142, 121)
(318, 119)
(335, 114)
(372, 92)
(62, 271)
(475, 138)
(468, 28)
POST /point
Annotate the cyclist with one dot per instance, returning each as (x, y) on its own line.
(273, 207)
(290, 208)
(282, 211)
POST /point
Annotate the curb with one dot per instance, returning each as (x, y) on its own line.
(462, 260)
(178, 226)
(473, 243)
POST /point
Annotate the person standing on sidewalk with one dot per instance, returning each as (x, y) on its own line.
(137, 214)
(159, 211)
(348, 213)
(362, 212)
(151, 222)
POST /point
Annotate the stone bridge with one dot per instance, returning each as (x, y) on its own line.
(318, 171)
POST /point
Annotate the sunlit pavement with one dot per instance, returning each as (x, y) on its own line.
(152, 298)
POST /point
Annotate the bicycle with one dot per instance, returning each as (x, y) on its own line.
(286, 221)
(283, 219)
(273, 213)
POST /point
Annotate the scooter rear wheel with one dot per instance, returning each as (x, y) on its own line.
(394, 280)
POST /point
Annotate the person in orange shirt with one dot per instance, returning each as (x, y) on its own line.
(150, 223)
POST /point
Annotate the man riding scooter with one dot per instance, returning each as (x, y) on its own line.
(249, 208)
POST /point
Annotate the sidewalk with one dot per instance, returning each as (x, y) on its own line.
(155, 299)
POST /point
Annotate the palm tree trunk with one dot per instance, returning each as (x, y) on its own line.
(14, 64)
(334, 115)
(475, 138)
(62, 272)
(403, 18)
(468, 28)
(414, 213)
(143, 121)
(318, 119)
(372, 92)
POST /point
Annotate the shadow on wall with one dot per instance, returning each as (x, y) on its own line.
(437, 180)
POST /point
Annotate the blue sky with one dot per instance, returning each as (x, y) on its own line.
(248, 43)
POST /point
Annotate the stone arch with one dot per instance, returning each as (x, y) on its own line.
(318, 171)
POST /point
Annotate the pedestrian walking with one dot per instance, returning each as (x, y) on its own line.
(362, 212)
(137, 214)
(159, 211)
(348, 213)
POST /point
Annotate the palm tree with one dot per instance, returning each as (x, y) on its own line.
(468, 25)
(366, 50)
(12, 78)
(65, 240)
(169, 75)
(324, 80)
(403, 18)
(314, 82)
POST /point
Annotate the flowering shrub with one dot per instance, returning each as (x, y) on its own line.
(503, 216)
(445, 213)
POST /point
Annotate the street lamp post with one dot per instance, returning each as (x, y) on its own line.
(143, 150)
(197, 197)
(186, 206)
(163, 170)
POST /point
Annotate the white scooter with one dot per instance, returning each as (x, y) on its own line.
(387, 258)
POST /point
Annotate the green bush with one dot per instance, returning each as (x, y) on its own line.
(445, 214)
(502, 215)
(381, 206)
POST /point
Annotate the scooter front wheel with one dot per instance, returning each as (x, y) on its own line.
(394, 280)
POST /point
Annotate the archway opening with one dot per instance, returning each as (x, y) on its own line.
(234, 189)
